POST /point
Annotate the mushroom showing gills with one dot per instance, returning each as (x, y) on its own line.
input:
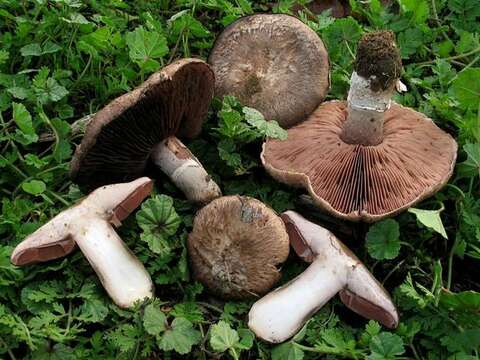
(334, 269)
(273, 63)
(368, 158)
(88, 225)
(235, 247)
(142, 125)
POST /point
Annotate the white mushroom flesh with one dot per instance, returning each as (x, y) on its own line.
(185, 171)
(121, 273)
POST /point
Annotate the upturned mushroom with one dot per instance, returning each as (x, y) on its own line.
(235, 246)
(367, 158)
(88, 224)
(273, 63)
(142, 126)
(334, 269)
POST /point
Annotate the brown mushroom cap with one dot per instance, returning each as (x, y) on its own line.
(120, 137)
(235, 245)
(339, 8)
(357, 182)
(273, 63)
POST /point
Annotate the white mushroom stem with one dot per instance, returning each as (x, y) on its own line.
(184, 169)
(335, 269)
(280, 314)
(366, 108)
(89, 225)
(120, 272)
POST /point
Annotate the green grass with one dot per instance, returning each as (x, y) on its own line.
(61, 60)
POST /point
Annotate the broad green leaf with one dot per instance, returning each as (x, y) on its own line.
(267, 128)
(31, 50)
(23, 119)
(223, 337)
(418, 8)
(462, 301)
(383, 240)
(431, 219)
(471, 166)
(466, 341)
(76, 18)
(34, 187)
(159, 215)
(157, 243)
(409, 41)
(154, 320)
(386, 346)
(466, 88)
(179, 336)
(246, 339)
(287, 351)
(159, 220)
(18, 92)
(341, 36)
(146, 46)
(63, 148)
(50, 48)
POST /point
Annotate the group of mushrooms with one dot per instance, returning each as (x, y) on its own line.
(362, 159)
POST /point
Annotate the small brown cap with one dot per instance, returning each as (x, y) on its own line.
(357, 182)
(236, 245)
(273, 63)
(118, 140)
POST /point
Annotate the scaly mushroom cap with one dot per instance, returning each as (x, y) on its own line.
(235, 247)
(357, 182)
(273, 63)
(120, 137)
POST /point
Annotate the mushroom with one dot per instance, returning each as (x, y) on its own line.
(334, 269)
(273, 63)
(339, 8)
(141, 125)
(88, 225)
(368, 158)
(235, 246)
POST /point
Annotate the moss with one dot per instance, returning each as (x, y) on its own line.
(379, 57)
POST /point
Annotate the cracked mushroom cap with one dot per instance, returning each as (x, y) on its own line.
(356, 182)
(235, 246)
(120, 137)
(273, 63)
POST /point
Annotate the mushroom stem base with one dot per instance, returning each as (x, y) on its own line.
(120, 272)
(280, 314)
(184, 169)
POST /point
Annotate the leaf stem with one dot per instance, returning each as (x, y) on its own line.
(9, 351)
(455, 57)
(450, 262)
